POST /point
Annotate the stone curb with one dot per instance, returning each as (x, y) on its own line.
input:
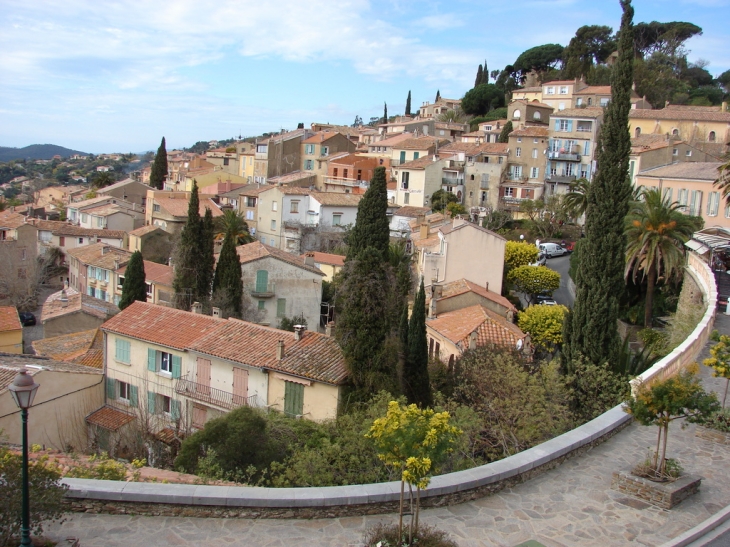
(700, 530)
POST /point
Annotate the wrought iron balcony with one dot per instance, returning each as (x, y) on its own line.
(564, 156)
(259, 290)
(560, 178)
(213, 396)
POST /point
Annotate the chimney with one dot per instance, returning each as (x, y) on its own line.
(432, 308)
(280, 350)
(197, 307)
(64, 298)
(329, 328)
(309, 259)
(486, 285)
(424, 230)
(299, 332)
(473, 340)
(216, 312)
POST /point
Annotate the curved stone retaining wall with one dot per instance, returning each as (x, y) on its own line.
(95, 496)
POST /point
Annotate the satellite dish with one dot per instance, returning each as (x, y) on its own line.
(519, 344)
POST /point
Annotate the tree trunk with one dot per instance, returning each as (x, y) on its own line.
(724, 397)
(650, 282)
(664, 447)
(410, 527)
(656, 452)
(418, 506)
(400, 511)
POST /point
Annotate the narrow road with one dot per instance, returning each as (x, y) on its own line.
(561, 264)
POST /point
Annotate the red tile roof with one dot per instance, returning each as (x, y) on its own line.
(109, 418)
(53, 307)
(491, 328)
(257, 250)
(101, 255)
(178, 207)
(9, 319)
(69, 347)
(327, 258)
(154, 273)
(161, 325)
(680, 114)
(462, 286)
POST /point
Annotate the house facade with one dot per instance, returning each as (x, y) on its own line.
(92, 269)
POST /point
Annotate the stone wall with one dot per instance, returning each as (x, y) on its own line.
(662, 494)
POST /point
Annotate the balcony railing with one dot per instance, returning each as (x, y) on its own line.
(563, 156)
(213, 396)
(560, 178)
(260, 290)
(451, 182)
(342, 181)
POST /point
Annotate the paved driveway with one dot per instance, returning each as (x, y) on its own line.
(31, 334)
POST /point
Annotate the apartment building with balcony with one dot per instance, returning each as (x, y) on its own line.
(572, 147)
(280, 284)
(92, 269)
(524, 177)
(318, 149)
(279, 155)
(346, 173)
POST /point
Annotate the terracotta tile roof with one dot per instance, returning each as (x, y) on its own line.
(53, 307)
(554, 82)
(294, 176)
(457, 224)
(48, 225)
(326, 258)
(534, 102)
(109, 418)
(161, 325)
(91, 201)
(78, 231)
(489, 148)
(11, 219)
(257, 250)
(394, 140)
(66, 347)
(491, 328)
(9, 319)
(253, 189)
(178, 207)
(144, 230)
(421, 143)
(420, 163)
(459, 146)
(690, 107)
(293, 190)
(534, 89)
(315, 356)
(101, 255)
(694, 170)
(578, 113)
(11, 363)
(411, 211)
(594, 90)
(105, 209)
(680, 114)
(154, 273)
(462, 286)
(336, 199)
(321, 136)
(649, 141)
(166, 435)
(120, 184)
(531, 131)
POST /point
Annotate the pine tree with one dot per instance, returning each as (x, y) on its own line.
(506, 130)
(158, 172)
(480, 75)
(187, 255)
(591, 327)
(371, 226)
(134, 287)
(385, 112)
(416, 386)
(207, 259)
(228, 275)
(408, 104)
(438, 96)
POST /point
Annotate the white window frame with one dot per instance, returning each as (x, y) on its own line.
(164, 363)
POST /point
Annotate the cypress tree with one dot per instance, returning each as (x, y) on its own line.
(506, 130)
(480, 75)
(134, 287)
(438, 96)
(403, 330)
(228, 275)
(385, 112)
(485, 73)
(416, 386)
(371, 225)
(207, 259)
(187, 260)
(591, 328)
(408, 104)
(158, 172)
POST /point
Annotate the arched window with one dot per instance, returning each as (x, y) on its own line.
(536, 116)
(711, 136)
(675, 132)
(637, 132)
(516, 114)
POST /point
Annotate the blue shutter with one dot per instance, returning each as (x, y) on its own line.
(176, 366)
(557, 125)
(151, 396)
(570, 125)
(111, 388)
(175, 409)
(133, 398)
(151, 360)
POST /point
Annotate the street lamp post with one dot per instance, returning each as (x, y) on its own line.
(23, 390)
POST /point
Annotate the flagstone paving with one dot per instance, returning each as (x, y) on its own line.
(571, 505)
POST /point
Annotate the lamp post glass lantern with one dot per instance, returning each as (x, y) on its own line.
(23, 390)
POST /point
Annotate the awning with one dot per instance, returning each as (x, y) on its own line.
(696, 246)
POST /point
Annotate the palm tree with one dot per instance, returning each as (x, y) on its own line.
(656, 230)
(723, 180)
(456, 116)
(232, 222)
(577, 199)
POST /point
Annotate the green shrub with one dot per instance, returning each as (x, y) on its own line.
(46, 494)
(719, 420)
(99, 467)
(388, 535)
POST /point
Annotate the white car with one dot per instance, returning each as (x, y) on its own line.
(547, 302)
(552, 249)
(541, 260)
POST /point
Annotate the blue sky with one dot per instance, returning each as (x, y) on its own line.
(115, 76)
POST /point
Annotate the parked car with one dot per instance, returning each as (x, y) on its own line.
(541, 260)
(570, 246)
(547, 302)
(552, 249)
(27, 319)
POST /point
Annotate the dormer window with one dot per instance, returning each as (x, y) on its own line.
(516, 114)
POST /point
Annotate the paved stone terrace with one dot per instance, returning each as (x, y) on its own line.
(571, 505)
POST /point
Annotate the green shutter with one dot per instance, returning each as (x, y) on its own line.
(262, 280)
(133, 399)
(176, 366)
(151, 396)
(293, 398)
(151, 360)
(416, 155)
(281, 307)
(570, 125)
(111, 388)
(557, 125)
(118, 349)
(174, 409)
(403, 156)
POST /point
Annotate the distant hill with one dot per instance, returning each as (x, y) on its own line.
(36, 152)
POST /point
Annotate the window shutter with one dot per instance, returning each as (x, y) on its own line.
(151, 396)
(118, 349)
(176, 366)
(262, 280)
(175, 409)
(151, 360)
(111, 388)
(133, 399)
(570, 125)
(281, 307)
(557, 125)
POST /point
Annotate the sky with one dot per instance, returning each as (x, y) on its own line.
(117, 75)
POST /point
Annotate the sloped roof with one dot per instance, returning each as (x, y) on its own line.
(154, 272)
(590, 112)
(337, 198)
(462, 286)
(695, 170)
(78, 231)
(161, 325)
(594, 90)
(54, 307)
(531, 131)
(109, 418)
(144, 230)
(101, 255)
(411, 211)
(84, 348)
(490, 327)
(257, 250)
(11, 219)
(178, 207)
(421, 143)
(420, 163)
(11, 363)
(320, 137)
(394, 140)
(680, 114)
(9, 319)
(326, 258)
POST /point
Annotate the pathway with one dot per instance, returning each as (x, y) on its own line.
(571, 505)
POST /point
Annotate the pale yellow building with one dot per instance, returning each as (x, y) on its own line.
(692, 124)
(11, 330)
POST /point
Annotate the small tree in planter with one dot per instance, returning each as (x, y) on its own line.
(662, 402)
(413, 440)
(720, 360)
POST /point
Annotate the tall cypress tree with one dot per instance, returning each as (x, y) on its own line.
(228, 274)
(485, 73)
(506, 130)
(207, 258)
(385, 112)
(416, 386)
(158, 172)
(438, 96)
(591, 329)
(134, 287)
(408, 104)
(187, 256)
(480, 74)
(371, 225)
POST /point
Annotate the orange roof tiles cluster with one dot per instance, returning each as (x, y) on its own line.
(154, 272)
(490, 327)
(109, 418)
(257, 250)
(326, 258)
(101, 255)
(84, 348)
(55, 306)
(178, 207)
(9, 319)
(462, 286)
